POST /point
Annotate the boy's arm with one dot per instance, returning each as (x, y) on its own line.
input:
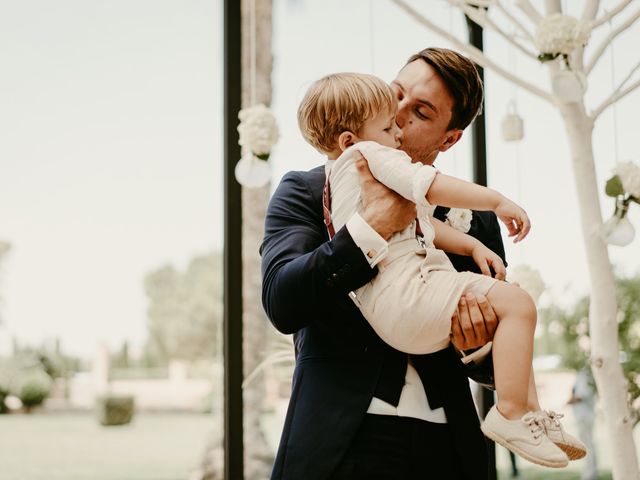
(453, 192)
(451, 240)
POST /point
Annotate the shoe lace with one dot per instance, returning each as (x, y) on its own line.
(552, 418)
(534, 420)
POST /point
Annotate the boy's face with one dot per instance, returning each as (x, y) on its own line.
(382, 129)
(425, 107)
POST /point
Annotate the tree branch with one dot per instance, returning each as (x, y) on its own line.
(590, 10)
(607, 41)
(553, 6)
(515, 21)
(614, 97)
(609, 15)
(529, 10)
(475, 54)
(479, 3)
(481, 18)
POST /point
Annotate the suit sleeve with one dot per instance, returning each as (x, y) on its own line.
(303, 272)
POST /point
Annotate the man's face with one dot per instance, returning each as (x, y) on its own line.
(425, 108)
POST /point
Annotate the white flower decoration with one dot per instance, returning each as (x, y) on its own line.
(528, 279)
(460, 219)
(629, 174)
(559, 34)
(258, 130)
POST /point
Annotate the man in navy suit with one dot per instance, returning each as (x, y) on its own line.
(360, 409)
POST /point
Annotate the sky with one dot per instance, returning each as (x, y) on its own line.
(111, 155)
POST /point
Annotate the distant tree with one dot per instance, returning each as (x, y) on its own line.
(185, 310)
(574, 341)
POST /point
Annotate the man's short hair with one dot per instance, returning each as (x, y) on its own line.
(342, 102)
(461, 77)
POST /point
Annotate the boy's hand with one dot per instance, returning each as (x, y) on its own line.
(515, 218)
(487, 260)
(382, 208)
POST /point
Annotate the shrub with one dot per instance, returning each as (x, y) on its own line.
(32, 387)
(115, 409)
(3, 395)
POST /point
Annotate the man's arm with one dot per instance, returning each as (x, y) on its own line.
(302, 272)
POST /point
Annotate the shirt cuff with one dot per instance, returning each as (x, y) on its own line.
(478, 355)
(373, 246)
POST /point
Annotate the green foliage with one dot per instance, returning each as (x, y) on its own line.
(185, 310)
(115, 410)
(3, 395)
(573, 326)
(613, 187)
(32, 387)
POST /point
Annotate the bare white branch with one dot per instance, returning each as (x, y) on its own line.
(529, 10)
(613, 98)
(481, 18)
(553, 6)
(628, 77)
(609, 15)
(590, 10)
(474, 54)
(480, 3)
(514, 21)
(607, 41)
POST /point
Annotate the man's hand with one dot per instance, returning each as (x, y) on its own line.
(474, 323)
(382, 208)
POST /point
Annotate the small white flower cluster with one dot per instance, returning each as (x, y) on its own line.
(528, 279)
(258, 130)
(559, 34)
(460, 219)
(629, 174)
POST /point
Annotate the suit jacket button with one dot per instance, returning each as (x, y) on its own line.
(328, 282)
(346, 268)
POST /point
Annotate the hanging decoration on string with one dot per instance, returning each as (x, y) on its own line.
(529, 279)
(624, 186)
(258, 128)
(512, 124)
(558, 35)
(258, 134)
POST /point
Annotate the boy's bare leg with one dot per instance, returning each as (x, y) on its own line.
(513, 348)
(533, 402)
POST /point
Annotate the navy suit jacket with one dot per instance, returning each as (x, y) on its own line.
(339, 358)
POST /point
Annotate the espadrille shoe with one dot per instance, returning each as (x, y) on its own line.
(524, 437)
(569, 444)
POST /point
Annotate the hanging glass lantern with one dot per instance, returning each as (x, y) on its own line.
(512, 124)
(569, 85)
(252, 172)
(618, 230)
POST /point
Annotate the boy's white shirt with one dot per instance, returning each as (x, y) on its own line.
(391, 167)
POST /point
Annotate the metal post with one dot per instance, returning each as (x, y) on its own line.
(479, 142)
(233, 404)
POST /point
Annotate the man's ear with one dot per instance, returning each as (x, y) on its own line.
(451, 138)
(346, 139)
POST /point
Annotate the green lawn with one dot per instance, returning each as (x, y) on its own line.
(76, 447)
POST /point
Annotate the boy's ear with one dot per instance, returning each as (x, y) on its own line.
(345, 140)
(451, 138)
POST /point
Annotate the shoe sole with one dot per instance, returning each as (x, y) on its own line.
(522, 453)
(572, 452)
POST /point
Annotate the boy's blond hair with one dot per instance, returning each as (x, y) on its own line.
(342, 102)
